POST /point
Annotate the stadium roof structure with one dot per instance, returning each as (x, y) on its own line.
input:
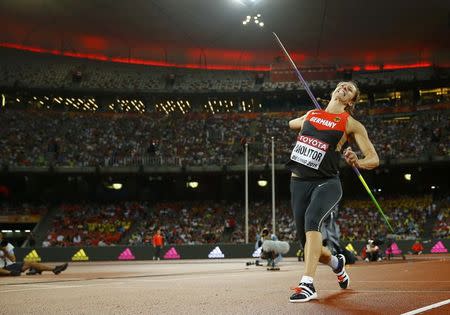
(210, 33)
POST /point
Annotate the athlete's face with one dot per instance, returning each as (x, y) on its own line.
(345, 92)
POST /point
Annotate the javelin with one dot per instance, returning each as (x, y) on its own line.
(308, 90)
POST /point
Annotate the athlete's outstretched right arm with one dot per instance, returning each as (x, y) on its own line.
(297, 123)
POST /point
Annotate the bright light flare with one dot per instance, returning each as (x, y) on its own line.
(262, 183)
(192, 184)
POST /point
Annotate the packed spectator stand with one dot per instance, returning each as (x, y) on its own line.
(441, 228)
(209, 222)
(40, 136)
(29, 70)
(91, 224)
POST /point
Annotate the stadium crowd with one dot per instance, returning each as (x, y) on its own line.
(42, 138)
(30, 70)
(441, 228)
(360, 220)
(210, 222)
(75, 139)
(91, 224)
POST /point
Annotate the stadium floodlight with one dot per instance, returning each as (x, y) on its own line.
(116, 186)
(262, 183)
(192, 184)
(247, 2)
(256, 18)
(408, 177)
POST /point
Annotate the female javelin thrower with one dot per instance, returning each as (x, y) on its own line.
(315, 185)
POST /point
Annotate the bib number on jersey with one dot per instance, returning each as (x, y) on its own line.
(309, 151)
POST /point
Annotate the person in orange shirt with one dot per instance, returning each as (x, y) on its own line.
(417, 248)
(158, 242)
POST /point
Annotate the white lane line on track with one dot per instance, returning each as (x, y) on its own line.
(122, 286)
(165, 279)
(131, 279)
(111, 283)
(46, 286)
(398, 281)
(185, 278)
(53, 287)
(426, 308)
(381, 291)
(332, 281)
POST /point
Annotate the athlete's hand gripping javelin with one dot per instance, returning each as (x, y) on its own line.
(350, 157)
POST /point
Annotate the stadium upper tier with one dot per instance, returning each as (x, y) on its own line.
(43, 138)
(29, 70)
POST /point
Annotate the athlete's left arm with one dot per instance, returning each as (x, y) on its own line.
(361, 137)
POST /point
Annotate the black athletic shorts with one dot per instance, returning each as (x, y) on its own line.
(14, 267)
(312, 202)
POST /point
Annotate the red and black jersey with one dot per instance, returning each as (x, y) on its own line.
(317, 150)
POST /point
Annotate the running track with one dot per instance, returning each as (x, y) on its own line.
(228, 287)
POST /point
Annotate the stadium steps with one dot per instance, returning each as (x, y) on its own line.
(428, 227)
(43, 227)
(226, 236)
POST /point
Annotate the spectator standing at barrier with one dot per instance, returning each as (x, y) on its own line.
(12, 268)
(315, 185)
(76, 239)
(158, 242)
